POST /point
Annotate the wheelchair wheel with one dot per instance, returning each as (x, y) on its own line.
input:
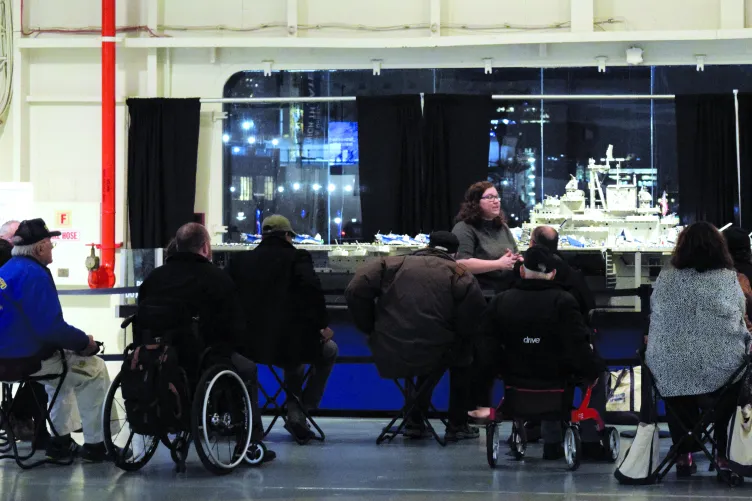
(572, 447)
(611, 444)
(519, 440)
(221, 420)
(493, 435)
(129, 450)
(255, 454)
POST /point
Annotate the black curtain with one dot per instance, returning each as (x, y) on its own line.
(391, 153)
(706, 152)
(745, 146)
(457, 139)
(162, 162)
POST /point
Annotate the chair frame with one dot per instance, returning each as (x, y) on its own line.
(8, 445)
(412, 394)
(280, 411)
(701, 432)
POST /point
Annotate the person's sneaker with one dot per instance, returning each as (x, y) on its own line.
(685, 466)
(23, 430)
(300, 431)
(416, 431)
(269, 456)
(553, 452)
(94, 453)
(461, 432)
(61, 448)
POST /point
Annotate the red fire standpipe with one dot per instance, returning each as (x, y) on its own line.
(104, 277)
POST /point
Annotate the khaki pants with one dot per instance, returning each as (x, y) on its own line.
(85, 388)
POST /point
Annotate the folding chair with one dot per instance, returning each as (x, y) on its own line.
(701, 433)
(280, 411)
(8, 445)
(413, 393)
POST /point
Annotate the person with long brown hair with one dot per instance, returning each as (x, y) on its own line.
(487, 246)
(697, 337)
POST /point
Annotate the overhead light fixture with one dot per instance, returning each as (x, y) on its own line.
(281, 189)
(331, 188)
(275, 142)
(247, 124)
(337, 220)
(236, 149)
(348, 188)
(316, 187)
(225, 138)
(232, 189)
(251, 140)
(296, 186)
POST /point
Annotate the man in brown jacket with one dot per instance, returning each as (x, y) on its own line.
(420, 312)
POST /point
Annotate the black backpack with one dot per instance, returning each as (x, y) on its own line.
(155, 390)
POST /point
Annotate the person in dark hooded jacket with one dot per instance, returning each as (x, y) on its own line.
(538, 334)
(425, 317)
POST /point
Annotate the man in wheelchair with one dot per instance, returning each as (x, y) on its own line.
(32, 333)
(189, 281)
(535, 332)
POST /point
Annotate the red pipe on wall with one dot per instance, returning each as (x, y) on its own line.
(104, 277)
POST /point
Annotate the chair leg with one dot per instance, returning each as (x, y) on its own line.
(280, 411)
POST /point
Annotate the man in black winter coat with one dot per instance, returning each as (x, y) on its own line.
(539, 334)
(285, 308)
(189, 280)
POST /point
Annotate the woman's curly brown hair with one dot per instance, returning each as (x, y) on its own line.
(470, 211)
(702, 247)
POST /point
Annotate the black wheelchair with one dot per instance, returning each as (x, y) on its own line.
(220, 411)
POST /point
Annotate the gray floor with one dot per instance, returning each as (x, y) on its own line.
(350, 466)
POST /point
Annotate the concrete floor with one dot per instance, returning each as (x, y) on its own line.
(350, 466)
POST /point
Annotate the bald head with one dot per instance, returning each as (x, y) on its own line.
(8, 229)
(193, 237)
(545, 236)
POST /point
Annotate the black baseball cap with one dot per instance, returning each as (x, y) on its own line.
(737, 239)
(31, 231)
(445, 241)
(540, 259)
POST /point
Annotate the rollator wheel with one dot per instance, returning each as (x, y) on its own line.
(519, 440)
(572, 447)
(221, 420)
(611, 444)
(255, 454)
(129, 450)
(493, 436)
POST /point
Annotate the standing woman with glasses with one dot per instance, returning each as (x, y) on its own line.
(487, 246)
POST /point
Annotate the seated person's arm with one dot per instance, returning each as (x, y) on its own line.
(578, 355)
(45, 315)
(361, 293)
(309, 290)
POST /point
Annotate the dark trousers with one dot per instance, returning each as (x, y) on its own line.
(248, 371)
(311, 396)
(461, 399)
(686, 411)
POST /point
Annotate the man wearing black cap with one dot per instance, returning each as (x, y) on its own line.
(538, 333)
(29, 304)
(288, 325)
(420, 312)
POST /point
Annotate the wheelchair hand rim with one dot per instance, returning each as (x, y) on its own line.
(204, 430)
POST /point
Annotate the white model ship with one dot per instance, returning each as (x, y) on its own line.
(623, 216)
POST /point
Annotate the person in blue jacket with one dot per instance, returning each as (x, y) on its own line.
(32, 331)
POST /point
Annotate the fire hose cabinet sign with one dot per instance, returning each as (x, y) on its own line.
(68, 236)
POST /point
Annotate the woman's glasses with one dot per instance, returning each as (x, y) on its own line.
(491, 197)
